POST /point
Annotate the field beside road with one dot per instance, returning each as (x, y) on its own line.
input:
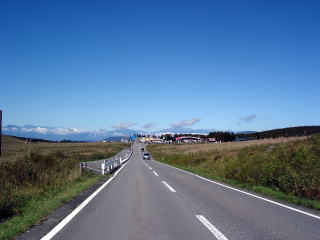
(285, 168)
(225, 147)
(35, 178)
(13, 149)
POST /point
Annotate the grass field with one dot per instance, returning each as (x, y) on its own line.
(285, 168)
(14, 149)
(226, 147)
(36, 178)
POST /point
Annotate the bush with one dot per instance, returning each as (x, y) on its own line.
(291, 168)
(36, 171)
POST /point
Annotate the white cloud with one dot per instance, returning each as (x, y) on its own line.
(118, 134)
(185, 123)
(247, 119)
(148, 125)
(50, 130)
(41, 130)
(23, 129)
(123, 125)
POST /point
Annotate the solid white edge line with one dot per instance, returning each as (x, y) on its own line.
(250, 194)
(155, 173)
(168, 186)
(67, 219)
(211, 228)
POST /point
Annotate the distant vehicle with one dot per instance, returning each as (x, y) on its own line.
(142, 149)
(146, 156)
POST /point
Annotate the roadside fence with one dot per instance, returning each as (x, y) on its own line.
(107, 166)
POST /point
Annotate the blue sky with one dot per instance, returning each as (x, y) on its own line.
(239, 65)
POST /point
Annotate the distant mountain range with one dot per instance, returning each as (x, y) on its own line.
(59, 133)
(74, 134)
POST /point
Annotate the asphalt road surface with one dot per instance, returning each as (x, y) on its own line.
(150, 200)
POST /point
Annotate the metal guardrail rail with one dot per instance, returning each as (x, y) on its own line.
(107, 166)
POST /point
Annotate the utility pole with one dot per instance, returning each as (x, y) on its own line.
(0, 132)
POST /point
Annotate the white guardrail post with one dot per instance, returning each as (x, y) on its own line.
(103, 166)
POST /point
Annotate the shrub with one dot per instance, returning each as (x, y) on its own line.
(36, 170)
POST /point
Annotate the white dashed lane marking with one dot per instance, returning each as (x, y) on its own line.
(168, 186)
(211, 228)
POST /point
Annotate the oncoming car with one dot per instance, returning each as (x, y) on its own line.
(146, 156)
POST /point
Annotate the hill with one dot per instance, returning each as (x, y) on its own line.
(283, 132)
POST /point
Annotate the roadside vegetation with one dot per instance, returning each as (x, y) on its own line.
(14, 149)
(286, 168)
(35, 181)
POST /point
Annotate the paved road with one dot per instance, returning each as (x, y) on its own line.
(150, 200)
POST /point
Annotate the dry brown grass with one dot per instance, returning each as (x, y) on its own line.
(13, 149)
(31, 169)
(224, 146)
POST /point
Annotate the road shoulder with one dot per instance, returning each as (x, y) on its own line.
(38, 231)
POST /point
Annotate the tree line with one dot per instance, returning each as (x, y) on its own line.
(283, 132)
(226, 136)
(275, 133)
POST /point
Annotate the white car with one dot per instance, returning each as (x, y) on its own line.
(146, 156)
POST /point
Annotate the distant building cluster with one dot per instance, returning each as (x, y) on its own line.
(188, 139)
(173, 139)
(191, 139)
(168, 138)
(151, 140)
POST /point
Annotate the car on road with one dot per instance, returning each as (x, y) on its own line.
(142, 149)
(146, 156)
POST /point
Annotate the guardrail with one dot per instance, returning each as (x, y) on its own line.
(107, 166)
(110, 166)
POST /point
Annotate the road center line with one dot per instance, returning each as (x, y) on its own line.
(150, 167)
(211, 228)
(155, 173)
(168, 186)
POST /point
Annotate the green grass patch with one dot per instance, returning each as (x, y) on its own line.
(34, 209)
